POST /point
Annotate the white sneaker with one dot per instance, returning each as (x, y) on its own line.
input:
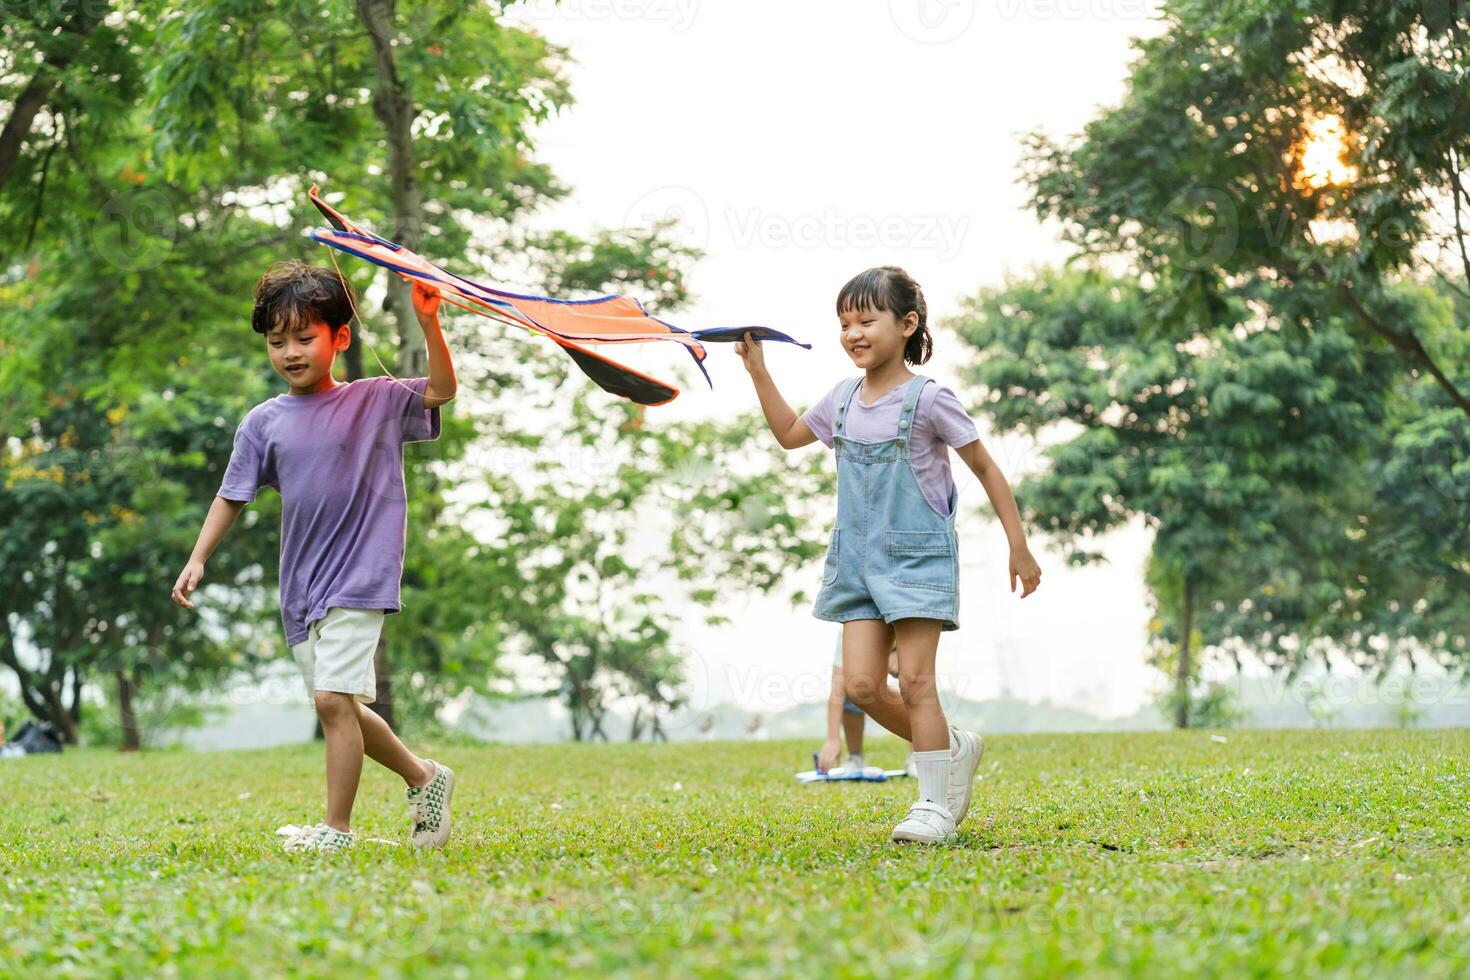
(429, 807)
(319, 837)
(962, 765)
(927, 823)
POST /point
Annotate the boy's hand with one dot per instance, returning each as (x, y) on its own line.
(426, 301)
(1024, 566)
(830, 754)
(189, 580)
(750, 352)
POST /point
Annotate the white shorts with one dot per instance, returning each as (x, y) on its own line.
(337, 654)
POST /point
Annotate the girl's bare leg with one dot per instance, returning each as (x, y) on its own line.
(918, 643)
(865, 646)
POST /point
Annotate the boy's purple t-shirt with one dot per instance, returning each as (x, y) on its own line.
(939, 421)
(336, 459)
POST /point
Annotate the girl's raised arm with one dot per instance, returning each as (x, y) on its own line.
(790, 431)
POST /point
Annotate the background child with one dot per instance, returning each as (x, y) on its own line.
(334, 452)
(892, 569)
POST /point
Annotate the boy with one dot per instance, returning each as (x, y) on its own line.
(334, 452)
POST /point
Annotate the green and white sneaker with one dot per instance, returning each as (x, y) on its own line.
(319, 837)
(429, 808)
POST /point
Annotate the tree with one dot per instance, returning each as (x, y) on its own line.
(200, 164)
(45, 52)
(1213, 441)
(1317, 147)
(598, 528)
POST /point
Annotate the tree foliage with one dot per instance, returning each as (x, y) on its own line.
(166, 168)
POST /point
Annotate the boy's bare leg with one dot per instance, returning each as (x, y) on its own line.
(384, 748)
(865, 646)
(343, 736)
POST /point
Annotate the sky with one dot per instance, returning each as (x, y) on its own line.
(800, 142)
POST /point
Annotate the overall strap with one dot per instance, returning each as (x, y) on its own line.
(910, 405)
(843, 398)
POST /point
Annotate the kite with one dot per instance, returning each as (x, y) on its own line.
(574, 325)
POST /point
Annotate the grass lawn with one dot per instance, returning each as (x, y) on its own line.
(1299, 853)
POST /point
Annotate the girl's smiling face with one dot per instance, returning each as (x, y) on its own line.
(874, 337)
(304, 354)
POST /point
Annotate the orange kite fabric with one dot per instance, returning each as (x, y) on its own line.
(574, 325)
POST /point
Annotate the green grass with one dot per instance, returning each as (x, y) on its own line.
(1297, 853)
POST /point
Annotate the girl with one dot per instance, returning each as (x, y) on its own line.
(893, 562)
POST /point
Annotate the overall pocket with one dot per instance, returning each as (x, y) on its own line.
(829, 571)
(922, 559)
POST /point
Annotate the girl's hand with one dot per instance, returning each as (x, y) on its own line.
(189, 580)
(1024, 566)
(750, 352)
(830, 754)
(426, 302)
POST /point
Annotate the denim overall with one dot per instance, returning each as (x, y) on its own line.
(892, 555)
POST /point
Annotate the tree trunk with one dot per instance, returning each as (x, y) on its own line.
(126, 715)
(383, 706)
(393, 106)
(76, 696)
(1181, 680)
(382, 664)
(42, 692)
(8, 656)
(82, 18)
(54, 693)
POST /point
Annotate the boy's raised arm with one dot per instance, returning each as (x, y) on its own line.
(221, 517)
(442, 383)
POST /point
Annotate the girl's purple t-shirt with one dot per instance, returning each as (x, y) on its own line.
(336, 459)
(940, 421)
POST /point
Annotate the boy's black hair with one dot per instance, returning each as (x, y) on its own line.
(890, 289)
(292, 294)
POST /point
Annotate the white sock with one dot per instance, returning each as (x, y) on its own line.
(933, 775)
(855, 760)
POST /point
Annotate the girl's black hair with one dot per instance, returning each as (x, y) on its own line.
(890, 289)
(292, 294)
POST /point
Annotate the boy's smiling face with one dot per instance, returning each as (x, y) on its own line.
(304, 354)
